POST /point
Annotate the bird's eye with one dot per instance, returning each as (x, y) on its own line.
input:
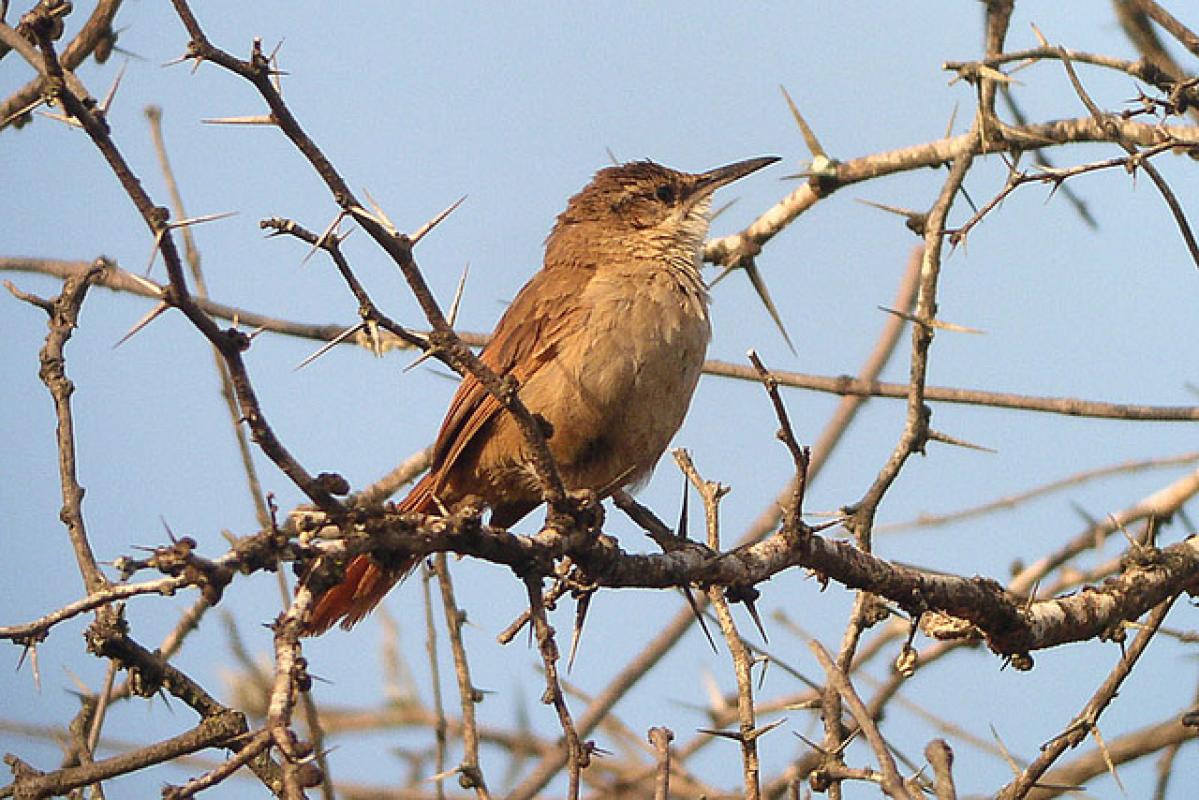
(665, 193)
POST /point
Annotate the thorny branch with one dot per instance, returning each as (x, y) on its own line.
(230, 343)
(578, 754)
(747, 733)
(1010, 625)
(963, 609)
(442, 341)
(892, 782)
(64, 318)
(1088, 718)
(470, 772)
(96, 34)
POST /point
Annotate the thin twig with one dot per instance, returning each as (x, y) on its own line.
(1159, 505)
(940, 758)
(1058, 178)
(711, 493)
(1014, 500)
(255, 747)
(916, 423)
(800, 456)
(64, 317)
(1185, 36)
(661, 738)
(1106, 120)
(1088, 717)
(192, 255)
(577, 756)
(911, 440)
(213, 731)
(893, 783)
(439, 724)
(742, 668)
(470, 773)
(229, 343)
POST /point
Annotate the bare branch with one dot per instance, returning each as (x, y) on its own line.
(578, 756)
(1089, 716)
(64, 317)
(893, 783)
(470, 773)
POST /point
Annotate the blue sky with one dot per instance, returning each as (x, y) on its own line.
(515, 107)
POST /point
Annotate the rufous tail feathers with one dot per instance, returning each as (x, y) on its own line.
(366, 581)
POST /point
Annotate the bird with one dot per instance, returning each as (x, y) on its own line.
(606, 344)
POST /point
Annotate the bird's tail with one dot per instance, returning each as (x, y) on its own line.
(366, 581)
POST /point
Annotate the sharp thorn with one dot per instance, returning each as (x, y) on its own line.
(63, 118)
(759, 285)
(154, 252)
(324, 237)
(433, 223)
(112, 90)
(712, 216)
(969, 200)
(422, 358)
(724, 273)
(452, 317)
(581, 606)
(815, 747)
(1040, 36)
(681, 530)
(383, 222)
(809, 137)
(903, 212)
(733, 735)
(336, 340)
(937, 436)
(932, 323)
(257, 119)
(699, 617)
(380, 213)
(143, 322)
(148, 285)
(762, 730)
(183, 223)
(753, 613)
(953, 116)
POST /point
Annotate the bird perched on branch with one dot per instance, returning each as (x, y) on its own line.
(606, 343)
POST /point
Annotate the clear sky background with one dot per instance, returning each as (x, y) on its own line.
(516, 106)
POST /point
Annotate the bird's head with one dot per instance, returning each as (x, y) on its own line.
(644, 209)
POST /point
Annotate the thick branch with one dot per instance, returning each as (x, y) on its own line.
(214, 731)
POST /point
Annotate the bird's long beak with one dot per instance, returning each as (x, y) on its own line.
(713, 179)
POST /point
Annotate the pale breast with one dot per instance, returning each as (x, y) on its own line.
(621, 384)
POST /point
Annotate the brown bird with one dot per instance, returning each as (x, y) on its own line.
(606, 343)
